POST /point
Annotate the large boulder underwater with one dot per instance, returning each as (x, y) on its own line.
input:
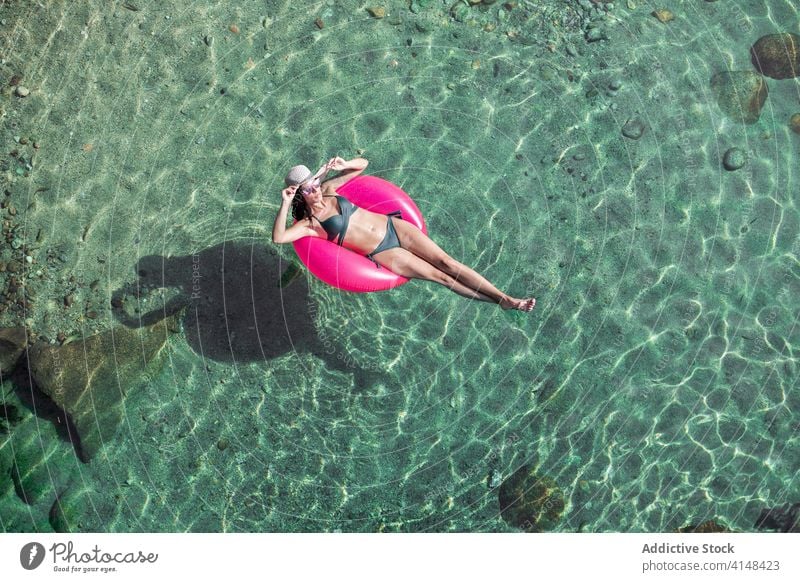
(531, 502)
(89, 379)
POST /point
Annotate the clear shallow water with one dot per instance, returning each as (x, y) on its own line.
(655, 382)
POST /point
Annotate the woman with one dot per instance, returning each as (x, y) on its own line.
(394, 243)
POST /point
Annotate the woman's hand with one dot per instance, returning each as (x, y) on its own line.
(288, 193)
(336, 164)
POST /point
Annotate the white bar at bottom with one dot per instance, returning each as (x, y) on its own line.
(351, 557)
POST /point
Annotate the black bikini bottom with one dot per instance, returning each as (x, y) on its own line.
(389, 241)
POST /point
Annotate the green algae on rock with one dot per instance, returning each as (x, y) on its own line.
(89, 379)
(740, 94)
(529, 501)
(777, 55)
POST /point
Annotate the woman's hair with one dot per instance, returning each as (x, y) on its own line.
(300, 209)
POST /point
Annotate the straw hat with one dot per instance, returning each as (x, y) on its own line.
(297, 175)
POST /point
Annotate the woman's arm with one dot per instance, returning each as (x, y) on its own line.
(296, 231)
(281, 234)
(349, 170)
(279, 228)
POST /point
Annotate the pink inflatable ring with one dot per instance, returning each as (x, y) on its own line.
(345, 269)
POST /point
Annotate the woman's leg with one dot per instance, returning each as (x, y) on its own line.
(472, 279)
(406, 264)
(418, 243)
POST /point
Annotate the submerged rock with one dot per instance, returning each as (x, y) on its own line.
(30, 473)
(9, 415)
(734, 159)
(89, 379)
(710, 526)
(66, 509)
(6, 462)
(740, 94)
(663, 15)
(12, 343)
(633, 128)
(290, 274)
(785, 518)
(494, 479)
(531, 502)
(777, 55)
(794, 123)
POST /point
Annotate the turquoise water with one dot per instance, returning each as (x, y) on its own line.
(654, 383)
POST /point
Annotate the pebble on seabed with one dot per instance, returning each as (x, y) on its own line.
(734, 159)
(794, 122)
(633, 129)
(663, 15)
(22, 91)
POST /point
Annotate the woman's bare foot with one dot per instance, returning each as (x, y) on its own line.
(521, 304)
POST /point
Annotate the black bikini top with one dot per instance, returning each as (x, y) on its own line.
(338, 223)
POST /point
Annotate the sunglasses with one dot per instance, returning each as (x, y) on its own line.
(310, 187)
